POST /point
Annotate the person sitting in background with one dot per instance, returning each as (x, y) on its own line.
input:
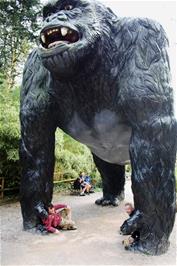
(85, 182)
(77, 184)
(59, 217)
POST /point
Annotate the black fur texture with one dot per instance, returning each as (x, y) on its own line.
(106, 82)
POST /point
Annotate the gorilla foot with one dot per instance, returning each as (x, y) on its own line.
(35, 229)
(130, 225)
(136, 247)
(29, 226)
(33, 217)
(112, 200)
(100, 201)
(148, 247)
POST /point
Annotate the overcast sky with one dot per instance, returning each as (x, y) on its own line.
(162, 11)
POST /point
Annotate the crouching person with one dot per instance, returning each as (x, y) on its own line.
(59, 217)
(134, 235)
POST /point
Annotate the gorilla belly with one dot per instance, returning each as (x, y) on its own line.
(107, 136)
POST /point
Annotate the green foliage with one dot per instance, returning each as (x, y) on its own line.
(9, 133)
(18, 27)
(71, 156)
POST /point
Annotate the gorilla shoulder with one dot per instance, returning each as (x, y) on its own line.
(34, 75)
(141, 29)
(142, 39)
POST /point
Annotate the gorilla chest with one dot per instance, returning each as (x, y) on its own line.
(107, 135)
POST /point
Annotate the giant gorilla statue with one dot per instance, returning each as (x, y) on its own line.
(104, 80)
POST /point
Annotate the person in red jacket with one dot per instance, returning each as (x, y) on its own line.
(59, 217)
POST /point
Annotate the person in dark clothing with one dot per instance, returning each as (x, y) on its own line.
(83, 182)
(135, 236)
(77, 184)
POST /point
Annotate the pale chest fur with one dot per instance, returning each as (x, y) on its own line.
(108, 136)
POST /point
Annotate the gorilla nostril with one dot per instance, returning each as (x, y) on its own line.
(62, 17)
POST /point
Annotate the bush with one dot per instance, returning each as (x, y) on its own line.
(9, 135)
(71, 156)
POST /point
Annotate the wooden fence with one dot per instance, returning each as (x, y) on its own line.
(3, 189)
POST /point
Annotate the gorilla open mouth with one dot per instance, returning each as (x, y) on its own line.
(55, 36)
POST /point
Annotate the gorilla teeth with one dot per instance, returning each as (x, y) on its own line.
(49, 32)
(51, 38)
(54, 44)
(64, 31)
(70, 31)
(43, 38)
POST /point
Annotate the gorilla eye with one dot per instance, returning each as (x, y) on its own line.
(68, 7)
(49, 14)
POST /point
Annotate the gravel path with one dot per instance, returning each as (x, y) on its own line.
(96, 242)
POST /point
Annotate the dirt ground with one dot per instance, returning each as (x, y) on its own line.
(96, 242)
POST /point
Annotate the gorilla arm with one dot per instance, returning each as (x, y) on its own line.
(147, 102)
(37, 141)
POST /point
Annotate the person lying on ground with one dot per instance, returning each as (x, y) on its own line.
(59, 217)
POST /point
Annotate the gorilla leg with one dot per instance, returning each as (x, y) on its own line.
(113, 179)
(152, 152)
(37, 158)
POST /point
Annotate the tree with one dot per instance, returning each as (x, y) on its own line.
(9, 134)
(72, 157)
(19, 22)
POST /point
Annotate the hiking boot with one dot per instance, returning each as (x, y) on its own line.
(72, 227)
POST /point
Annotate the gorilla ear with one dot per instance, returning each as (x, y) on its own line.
(110, 10)
(113, 16)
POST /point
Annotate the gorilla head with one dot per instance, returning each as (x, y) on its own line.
(72, 33)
